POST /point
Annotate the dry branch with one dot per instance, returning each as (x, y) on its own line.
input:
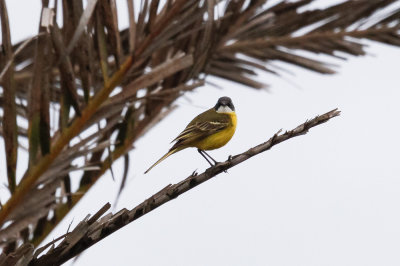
(90, 231)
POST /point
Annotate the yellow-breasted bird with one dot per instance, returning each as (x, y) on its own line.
(209, 130)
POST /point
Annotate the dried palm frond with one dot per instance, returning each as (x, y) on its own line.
(69, 72)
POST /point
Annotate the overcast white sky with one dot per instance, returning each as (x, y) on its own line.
(330, 197)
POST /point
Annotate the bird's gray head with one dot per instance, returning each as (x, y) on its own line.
(224, 105)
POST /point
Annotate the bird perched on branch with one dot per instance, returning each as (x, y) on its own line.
(209, 130)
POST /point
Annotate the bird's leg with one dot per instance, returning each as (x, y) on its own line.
(209, 156)
(203, 153)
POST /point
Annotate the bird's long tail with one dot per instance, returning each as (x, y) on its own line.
(172, 151)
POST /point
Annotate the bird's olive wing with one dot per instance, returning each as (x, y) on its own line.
(200, 130)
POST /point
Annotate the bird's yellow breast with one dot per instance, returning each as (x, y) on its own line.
(220, 138)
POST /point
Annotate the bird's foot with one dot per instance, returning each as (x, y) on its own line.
(225, 171)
